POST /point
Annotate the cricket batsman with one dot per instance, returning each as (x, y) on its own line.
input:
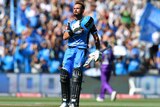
(77, 33)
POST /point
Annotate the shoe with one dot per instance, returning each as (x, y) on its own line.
(99, 99)
(113, 96)
(64, 104)
(72, 105)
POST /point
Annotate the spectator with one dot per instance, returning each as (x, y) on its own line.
(126, 17)
(27, 50)
(158, 59)
(44, 56)
(7, 62)
(120, 66)
(134, 63)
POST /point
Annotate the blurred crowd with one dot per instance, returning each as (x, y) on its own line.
(35, 45)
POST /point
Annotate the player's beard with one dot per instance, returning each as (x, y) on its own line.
(78, 15)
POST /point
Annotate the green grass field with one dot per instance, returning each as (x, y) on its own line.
(54, 102)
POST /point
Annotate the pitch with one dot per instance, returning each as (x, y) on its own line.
(55, 102)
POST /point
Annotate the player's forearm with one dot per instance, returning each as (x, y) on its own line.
(97, 42)
(98, 45)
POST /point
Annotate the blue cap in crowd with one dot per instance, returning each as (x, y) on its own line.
(135, 51)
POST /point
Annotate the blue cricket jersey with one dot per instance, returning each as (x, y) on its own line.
(81, 40)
